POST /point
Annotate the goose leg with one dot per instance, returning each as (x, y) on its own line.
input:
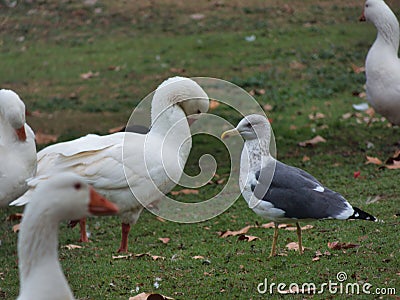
(274, 240)
(124, 240)
(299, 237)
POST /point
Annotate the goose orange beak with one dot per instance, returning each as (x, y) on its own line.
(100, 206)
(21, 133)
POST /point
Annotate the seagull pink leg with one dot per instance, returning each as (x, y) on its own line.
(299, 237)
(84, 237)
(124, 240)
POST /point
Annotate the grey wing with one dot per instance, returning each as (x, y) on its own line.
(299, 194)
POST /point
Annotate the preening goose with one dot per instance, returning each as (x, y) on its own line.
(282, 193)
(131, 169)
(63, 196)
(17, 148)
(382, 65)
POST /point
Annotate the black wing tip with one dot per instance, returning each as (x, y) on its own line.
(362, 215)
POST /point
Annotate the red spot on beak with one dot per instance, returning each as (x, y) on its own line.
(21, 133)
(100, 206)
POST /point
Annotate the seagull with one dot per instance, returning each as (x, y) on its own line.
(282, 193)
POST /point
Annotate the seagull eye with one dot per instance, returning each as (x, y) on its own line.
(198, 111)
(77, 186)
(248, 125)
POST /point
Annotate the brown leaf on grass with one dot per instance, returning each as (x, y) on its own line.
(249, 238)
(160, 219)
(89, 75)
(316, 258)
(340, 245)
(312, 142)
(198, 257)
(126, 256)
(268, 225)
(268, 107)
(178, 70)
(293, 246)
(305, 158)
(150, 296)
(72, 247)
(347, 116)
(185, 192)
(257, 92)
(15, 217)
(395, 165)
(293, 228)
(295, 65)
(164, 240)
(373, 160)
(357, 69)
(116, 129)
(114, 68)
(227, 233)
(316, 116)
(15, 228)
(43, 138)
(197, 16)
(213, 104)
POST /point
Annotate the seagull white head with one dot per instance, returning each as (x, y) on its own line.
(251, 127)
(12, 110)
(181, 91)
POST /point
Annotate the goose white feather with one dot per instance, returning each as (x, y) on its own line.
(382, 65)
(131, 169)
(62, 197)
(17, 148)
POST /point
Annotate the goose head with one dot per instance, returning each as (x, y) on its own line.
(376, 12)
(71, 198)
(251, 127)
(182, 92)
(12, 110)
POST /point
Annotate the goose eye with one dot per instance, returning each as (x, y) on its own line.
(77, 186)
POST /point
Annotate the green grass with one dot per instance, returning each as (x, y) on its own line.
(150, 41)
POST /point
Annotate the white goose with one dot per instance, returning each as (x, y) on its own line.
(62, 197)
(17, 148)
(382, 65)
(151, 164)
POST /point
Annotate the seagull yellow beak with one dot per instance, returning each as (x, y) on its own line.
(229, 133)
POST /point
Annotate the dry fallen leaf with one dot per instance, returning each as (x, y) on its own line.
(293, 228)
(268, 225)
(89, 75)
(43, 138)
(316, 116)
(293, 246)
(249, 238)
(15, 228)
(373, 160)
(116, 129)
(160, 219)
(268, 107)
(295, 65)
(178, 70)
(347, 116)
(72, 246)
(15, 217)
(257, 92)
(312, 142)
(150, 296)
(234, 233)
(305, 158)
(340, 245)
(213, 104)
(164, 240)
(185, 192)
(357, 69)
(395, 165)
(198, 257)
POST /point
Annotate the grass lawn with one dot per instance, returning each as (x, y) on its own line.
(302, 66)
